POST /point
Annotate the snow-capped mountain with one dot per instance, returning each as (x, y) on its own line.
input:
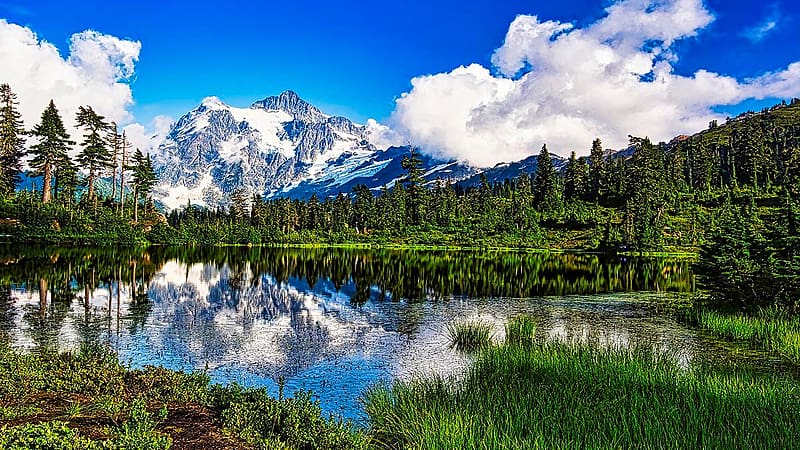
(279, 146)
(511, 170)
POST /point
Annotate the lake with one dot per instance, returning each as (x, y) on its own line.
(334, 321)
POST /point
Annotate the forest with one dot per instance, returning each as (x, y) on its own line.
(729, 193)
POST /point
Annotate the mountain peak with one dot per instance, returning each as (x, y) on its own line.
(291, 103)
(212, 102)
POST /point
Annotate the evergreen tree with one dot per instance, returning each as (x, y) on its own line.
(415, 189)
(732, 263)
(12, 143)
(647, 196)
(575, 179)
(50, 152)
(66, 184)
(144, 178)
(95, 155)
(545, 185)
(597, 172)
(362, 207)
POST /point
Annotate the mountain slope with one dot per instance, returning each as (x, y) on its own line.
(279, 146)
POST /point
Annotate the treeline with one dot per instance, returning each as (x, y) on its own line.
(648, 197)
(69, 205)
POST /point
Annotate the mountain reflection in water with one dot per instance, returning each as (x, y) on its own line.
(334, 321)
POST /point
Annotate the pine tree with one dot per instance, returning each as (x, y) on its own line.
(51, 150)
(647, 195)
(597, 172)
(12, 143)
(95, 155)
(731, 263)
(415, 189)
(66, 185)
(144, 178)
(575, 179)
(545, 185)
(362, 207)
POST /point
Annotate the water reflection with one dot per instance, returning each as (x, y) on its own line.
(333, 321)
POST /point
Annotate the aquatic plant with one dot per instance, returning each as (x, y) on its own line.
(521, 330)
(770, 328)
(470, 335)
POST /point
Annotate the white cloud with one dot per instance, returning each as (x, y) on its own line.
(94, 73)
(382, 136)
(147, 139)
(769, 24)
(564, 86)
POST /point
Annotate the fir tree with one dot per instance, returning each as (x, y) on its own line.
(647, 196)
(95, 155)
(50, 152)
(597, 172)
(575, 179)
(12, 143)
(416, 192)
(144, 178)
(545, 185)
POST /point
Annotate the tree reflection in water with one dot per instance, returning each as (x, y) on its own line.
(316, 315)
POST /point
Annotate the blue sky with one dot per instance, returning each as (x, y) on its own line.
(354, 58)
(477, 80)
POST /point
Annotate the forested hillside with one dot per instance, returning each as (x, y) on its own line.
(649, 197)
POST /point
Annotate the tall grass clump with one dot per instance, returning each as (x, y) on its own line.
(573, 395)
(521, 330)
(770, 329)
(470, 336)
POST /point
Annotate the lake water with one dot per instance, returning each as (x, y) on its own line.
(333, 321)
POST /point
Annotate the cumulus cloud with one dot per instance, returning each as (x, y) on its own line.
(147, 139)
(383, 136)
(554, 83)
(94, 73)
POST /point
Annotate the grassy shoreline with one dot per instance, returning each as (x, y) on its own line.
(521, 393)
(529, 394)
(768, 329)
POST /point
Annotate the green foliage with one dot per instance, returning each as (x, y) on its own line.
(470, 336)
(138, 402)
(546, 195)
(95, 155)
(293, 422)
(771, 329)
(12, 141)
(521, 330)
(50, 153)
(55, 435)
(560, 395)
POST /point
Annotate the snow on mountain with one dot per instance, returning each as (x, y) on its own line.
(279, 146)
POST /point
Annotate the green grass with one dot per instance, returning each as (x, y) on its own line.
(470, 336)
(769, 329)
(559, 395)
(521, 330)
